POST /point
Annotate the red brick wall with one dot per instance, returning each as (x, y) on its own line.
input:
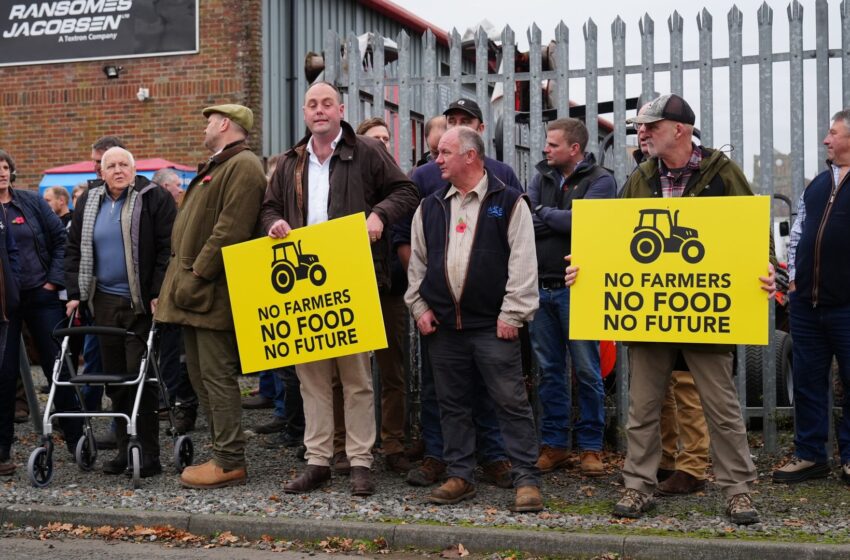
(51, 113)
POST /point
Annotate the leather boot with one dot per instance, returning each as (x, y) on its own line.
(361, 481)
(210, 475)
(528, 498)
(454, 490)
(311, 478)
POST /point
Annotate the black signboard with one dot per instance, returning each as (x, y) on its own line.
(69, 30)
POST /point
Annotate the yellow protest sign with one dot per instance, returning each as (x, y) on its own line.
(671, 270)
(309, 296)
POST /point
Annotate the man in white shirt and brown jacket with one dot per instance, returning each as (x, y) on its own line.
(473, 283)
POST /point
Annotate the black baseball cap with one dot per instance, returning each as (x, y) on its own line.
(668, 107)
(468, 106)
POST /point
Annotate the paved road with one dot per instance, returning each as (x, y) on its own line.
(15, 548)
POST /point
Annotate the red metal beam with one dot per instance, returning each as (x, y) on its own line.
(406, 18)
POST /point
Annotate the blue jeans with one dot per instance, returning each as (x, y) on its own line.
(489, 441)
(272, 387)
(550, 339)
(818, 335)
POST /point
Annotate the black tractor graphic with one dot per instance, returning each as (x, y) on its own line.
(657, 231)
(291, 264)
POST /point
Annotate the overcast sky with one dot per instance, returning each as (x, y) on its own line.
(520, 14)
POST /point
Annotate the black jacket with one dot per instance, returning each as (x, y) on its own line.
(152, 231)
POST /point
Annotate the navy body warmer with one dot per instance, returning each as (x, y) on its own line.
(487, 274)
(823, 269)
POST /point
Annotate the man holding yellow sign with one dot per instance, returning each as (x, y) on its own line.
(329, 174)
(693, 296)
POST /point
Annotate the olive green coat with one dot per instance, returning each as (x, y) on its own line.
(220, 208)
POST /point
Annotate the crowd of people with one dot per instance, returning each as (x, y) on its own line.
(480, 263)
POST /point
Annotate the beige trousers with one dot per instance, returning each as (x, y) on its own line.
(684, 433)
(651, 367)
(316, 380)
(393, 381)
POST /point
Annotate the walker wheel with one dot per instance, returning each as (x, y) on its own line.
(136, 466)
(184, 453)
(85, 453)
(40, 467)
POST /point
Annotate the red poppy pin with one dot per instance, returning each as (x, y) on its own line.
(461, 226)
(206, 179)
(19, 220)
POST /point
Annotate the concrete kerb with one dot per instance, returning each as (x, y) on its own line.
(430, 537)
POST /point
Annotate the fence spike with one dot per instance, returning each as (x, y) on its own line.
(646, 25)
(795, 11)
(589, 29)
(618, 28)
(675, 22)
(704, 20)
(765, 14)
(735, 18)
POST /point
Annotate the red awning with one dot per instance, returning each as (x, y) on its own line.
(153, 164)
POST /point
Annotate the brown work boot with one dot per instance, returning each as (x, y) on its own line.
(361, 481)
(633, 504)
(452, 491)
(680, 483)
(741, 510)
(311, 478)
(397, 462)
(552, 458)
(528, 498)
(429, 472)
(498, 473)
(340, 464)
(210, 475)
(591, 463)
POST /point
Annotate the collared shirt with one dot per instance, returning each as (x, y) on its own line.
(110, 265)
(673, 184)
(319, 183)
(521, 296)
(797, 228)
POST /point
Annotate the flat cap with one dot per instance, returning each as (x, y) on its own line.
(241, 115)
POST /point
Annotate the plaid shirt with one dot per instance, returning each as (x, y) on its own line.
(672, 184)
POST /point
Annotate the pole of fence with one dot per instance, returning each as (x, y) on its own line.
(508, 97)
(765, 24)
(618, 36)
(537, 132)
(646, 26)
(706, 80)
(591, 87)
(676, 26)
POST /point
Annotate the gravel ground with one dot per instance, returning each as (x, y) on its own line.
(811, 512)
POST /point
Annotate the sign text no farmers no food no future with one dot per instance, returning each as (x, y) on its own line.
(671, 270)
(309, 296)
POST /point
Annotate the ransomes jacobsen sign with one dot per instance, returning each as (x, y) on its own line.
(71, 30)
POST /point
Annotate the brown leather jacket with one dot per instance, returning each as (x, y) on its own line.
(363, 178)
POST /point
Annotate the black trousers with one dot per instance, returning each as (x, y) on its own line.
(123, 355)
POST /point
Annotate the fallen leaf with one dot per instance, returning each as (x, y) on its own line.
(455, 551)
